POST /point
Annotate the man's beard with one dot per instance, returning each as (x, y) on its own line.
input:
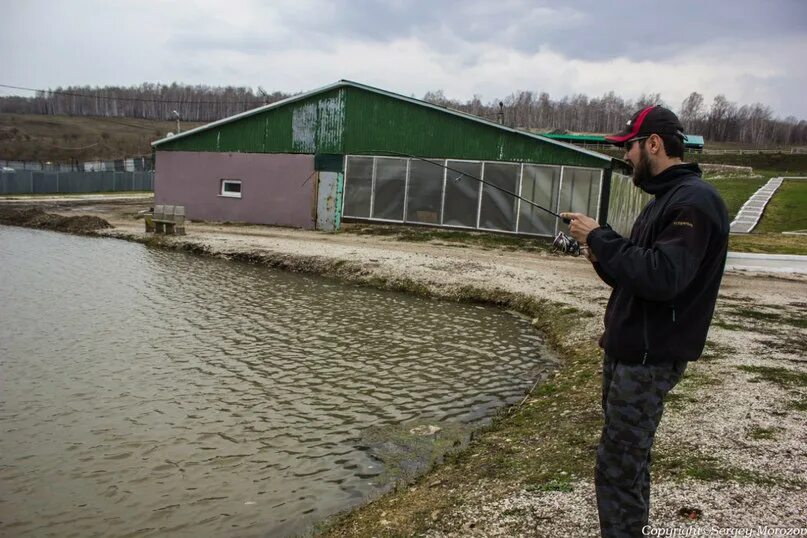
(641, 170)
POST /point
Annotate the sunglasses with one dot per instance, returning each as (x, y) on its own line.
(629, 143)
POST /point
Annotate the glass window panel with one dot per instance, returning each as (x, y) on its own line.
(579, 186)
(462, 193)
(358, 186)
(594, 200)
(625, 204)
(498, 210)
(425, 191)
(539, 185)
(390, 182)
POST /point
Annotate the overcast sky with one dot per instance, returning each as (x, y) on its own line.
(751, 51)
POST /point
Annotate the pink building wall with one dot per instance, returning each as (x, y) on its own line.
(272, 190)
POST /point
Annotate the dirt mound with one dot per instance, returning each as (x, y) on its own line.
(37, 218)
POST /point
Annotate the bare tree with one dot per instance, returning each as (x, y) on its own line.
(525, 109)
(691, 114)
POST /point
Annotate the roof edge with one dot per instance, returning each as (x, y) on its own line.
(248, 113)
(350, 83)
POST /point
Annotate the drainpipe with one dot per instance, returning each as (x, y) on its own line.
(605, 198)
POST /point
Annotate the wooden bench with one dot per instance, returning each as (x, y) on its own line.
(168, 219)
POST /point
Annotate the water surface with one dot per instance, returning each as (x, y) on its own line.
(145, 392)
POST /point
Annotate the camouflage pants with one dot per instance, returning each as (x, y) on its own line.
(632, 402)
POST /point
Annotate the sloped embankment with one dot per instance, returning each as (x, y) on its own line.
(37, 218)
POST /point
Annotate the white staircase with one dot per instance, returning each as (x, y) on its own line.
(751, 211)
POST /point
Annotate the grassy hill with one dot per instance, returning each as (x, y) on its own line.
(786, 211)
(31, 137)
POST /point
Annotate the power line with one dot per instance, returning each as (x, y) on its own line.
(258, 99)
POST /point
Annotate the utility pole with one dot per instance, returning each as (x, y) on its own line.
(265, 95)
(179, 127)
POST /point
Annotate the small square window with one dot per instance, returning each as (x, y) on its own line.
(231, 188)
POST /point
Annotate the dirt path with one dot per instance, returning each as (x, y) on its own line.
(731, 450)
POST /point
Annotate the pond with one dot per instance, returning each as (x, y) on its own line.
(145, 391)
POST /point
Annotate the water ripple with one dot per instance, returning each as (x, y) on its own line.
(147, 392)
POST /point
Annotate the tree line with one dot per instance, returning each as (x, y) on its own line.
(147, 101)
(721, 121)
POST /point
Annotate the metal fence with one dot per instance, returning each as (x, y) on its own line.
(710, 151)
(791, 151)
(135, 164)
(48, 182)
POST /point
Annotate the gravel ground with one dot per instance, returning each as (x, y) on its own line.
(731, 413)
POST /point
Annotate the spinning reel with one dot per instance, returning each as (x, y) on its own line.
(567, 244)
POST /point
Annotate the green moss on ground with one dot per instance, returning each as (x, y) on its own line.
(758, 433)
(783, 377)
(799, 403)
(775, 314)
(680, 466)
(454, 238)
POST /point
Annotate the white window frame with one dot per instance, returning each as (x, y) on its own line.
(228, 194)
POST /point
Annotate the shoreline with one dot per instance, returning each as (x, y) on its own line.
(731, 444)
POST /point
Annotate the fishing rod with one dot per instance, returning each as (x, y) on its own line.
(562, 241)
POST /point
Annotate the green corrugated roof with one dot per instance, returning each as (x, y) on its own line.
(212, 129)
(693, 140)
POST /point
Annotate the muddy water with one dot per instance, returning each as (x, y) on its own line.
(146, 392)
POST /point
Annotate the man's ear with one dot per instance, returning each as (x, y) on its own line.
(655, 144)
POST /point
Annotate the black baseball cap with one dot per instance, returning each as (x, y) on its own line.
(651, 120)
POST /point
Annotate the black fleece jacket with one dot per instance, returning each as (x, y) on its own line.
(667, 274)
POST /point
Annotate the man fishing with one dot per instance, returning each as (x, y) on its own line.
(665, 279)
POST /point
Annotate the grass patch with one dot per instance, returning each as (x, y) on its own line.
(715, 351)
(559, 484)
(736, 190)
(34, 137)
(678, 400)
(787, 209)
(794, 320)
(778, 376)
(758, 433)
(788, 344)
(696, 380)
(710, 469)
(723, 324)
(784, 163)
(457, 238)
(799, 404)
(769, 243)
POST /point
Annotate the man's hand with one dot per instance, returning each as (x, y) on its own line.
(580, 226)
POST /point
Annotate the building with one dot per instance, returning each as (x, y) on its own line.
(350, 151)
(691, 142)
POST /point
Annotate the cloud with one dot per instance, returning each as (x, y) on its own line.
(749, 51)
(411, 66)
